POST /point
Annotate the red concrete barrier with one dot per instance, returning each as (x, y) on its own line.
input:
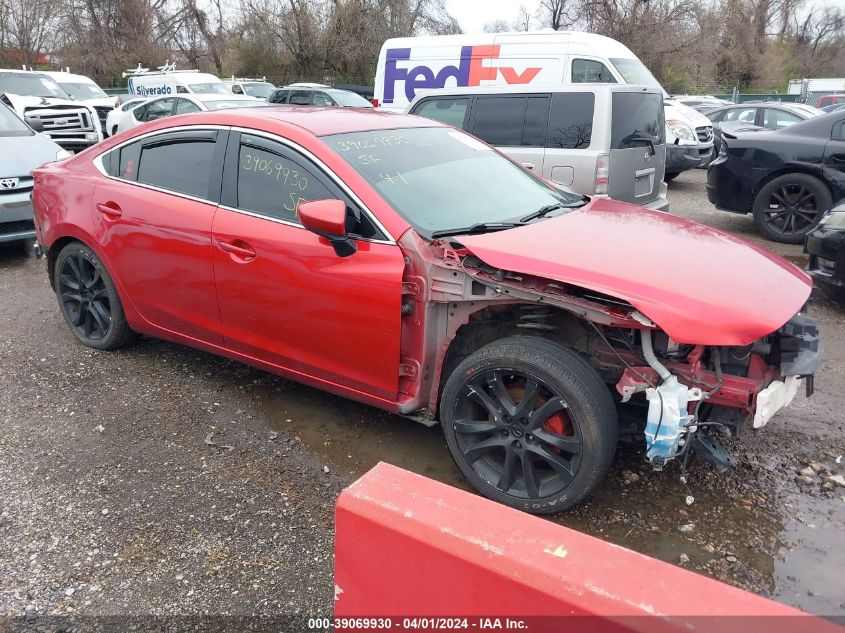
(409, 546)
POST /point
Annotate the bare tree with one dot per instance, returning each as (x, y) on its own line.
(555, 14)
(27, 29)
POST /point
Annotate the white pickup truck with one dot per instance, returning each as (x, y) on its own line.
(72, 124)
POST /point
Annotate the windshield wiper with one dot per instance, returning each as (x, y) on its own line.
(480, 227)
(539, 213)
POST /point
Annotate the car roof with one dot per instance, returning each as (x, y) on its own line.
(531, 89)
(318, 120)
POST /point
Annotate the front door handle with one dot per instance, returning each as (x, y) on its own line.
(837, 158)
(239, 250)
(110, 209)
(528, 165)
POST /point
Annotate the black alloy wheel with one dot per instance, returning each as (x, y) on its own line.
(517, 433)
(84, 297)
(88, 298)
(529, 423)
(790, 206)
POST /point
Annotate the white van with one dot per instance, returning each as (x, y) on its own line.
(143, 82)
(255, 88)
(407, 65)
(595, 139)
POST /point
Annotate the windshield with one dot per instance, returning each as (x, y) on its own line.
(259, 90)
(11, 125)
(633, 71)
(211, 88)
(32, 85)
(349, 99)
(440, 179)
(83, 91)
(223, 104)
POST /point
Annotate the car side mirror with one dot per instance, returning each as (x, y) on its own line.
(37, 125)
(327, 218)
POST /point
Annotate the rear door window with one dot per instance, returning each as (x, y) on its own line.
(775, 119)
(177, 162)
(746, 115)
(322, 99)
(185, 106)
(637, 120)
(158, 109)
(451, 111)
(300, 97)
(571, 120)
(279, 96)
(511, 121)
(591, 71)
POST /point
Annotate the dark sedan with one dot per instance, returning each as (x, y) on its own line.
(826, 246)
(771, 115)
(787, 178)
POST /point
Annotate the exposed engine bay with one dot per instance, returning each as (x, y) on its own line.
(689, 394)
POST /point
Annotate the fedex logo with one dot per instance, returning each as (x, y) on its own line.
(470, 71)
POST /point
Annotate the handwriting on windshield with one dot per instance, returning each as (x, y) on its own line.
(372, 142)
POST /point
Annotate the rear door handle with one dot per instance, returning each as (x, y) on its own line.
(838, 158)
(239, 250)
(110, 209)
(528, 165)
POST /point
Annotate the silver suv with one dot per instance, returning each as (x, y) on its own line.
(595, 139)
(21, 151)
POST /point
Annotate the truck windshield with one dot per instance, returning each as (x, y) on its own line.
(440, 179)
(210, 88)
(633, 71)
(11, 125)
(83, 91)
(349, 99)
(32, 85)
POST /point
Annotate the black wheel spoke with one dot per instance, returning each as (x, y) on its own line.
(100, 316)
(807, 215)
(780, 200)
(475, 426)
(95, 280)
(75, 270)
(70, 295)
(561, 466)
(546, 410)
(484, 446)
(529, 476)
(526, 403)
(505, 482)
(497, 386)
(70, 282)
(567, 443)
(477, 393)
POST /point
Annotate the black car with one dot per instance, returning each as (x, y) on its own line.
(771, 115)
(826, 246)
(787, 178)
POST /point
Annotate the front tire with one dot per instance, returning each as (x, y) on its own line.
(88, 299)
(670, 176)
(790, 206)
(530, 424)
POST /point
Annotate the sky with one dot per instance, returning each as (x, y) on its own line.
(474, 14)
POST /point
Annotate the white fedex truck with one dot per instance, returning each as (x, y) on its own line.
(408, 65)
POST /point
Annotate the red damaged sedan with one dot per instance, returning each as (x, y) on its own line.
(402, 263)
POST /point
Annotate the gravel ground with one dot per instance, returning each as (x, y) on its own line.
(161, 481)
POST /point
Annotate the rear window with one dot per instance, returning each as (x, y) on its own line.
(637, 119)
(511, 121)
(450, 111)
(571, 120)
(181, 166)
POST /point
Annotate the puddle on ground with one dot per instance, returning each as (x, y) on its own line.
(789, 548)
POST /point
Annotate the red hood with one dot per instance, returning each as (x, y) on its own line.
(700, 285)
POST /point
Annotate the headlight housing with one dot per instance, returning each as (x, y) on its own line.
(681, 130)
(62, 154)
(834, 219)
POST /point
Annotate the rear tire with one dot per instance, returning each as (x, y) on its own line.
(530, 424)
(88, 299)
(790, 206)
